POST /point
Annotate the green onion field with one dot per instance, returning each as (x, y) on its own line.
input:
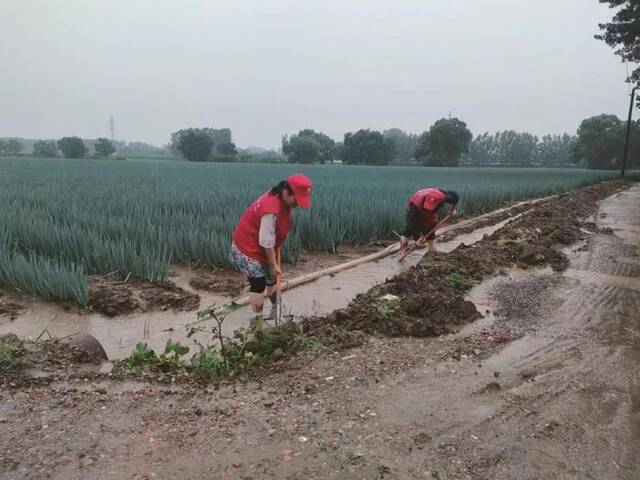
(63, 219)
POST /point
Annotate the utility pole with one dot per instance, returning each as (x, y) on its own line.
(626, 141)
(112, 127)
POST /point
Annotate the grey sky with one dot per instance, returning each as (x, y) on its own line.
(265, 68)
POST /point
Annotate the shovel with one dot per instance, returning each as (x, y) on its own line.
(278, 318)
(423, 238)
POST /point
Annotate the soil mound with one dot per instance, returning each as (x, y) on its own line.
(119, 298)
(486, 221)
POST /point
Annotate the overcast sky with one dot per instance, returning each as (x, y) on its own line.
(269, 67)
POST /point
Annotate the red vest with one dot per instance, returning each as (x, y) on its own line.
(247, 232)
(428, 200)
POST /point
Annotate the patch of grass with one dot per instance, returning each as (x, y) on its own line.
(10, 347)
(458, 281)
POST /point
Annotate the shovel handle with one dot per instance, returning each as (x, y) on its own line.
(278, 279)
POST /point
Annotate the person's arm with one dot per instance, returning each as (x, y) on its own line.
(273, 261)
(267, 240)
(451, 198)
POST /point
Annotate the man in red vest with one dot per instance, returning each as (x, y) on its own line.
(258, 237)
(421, 214)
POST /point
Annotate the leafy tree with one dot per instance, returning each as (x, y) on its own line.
(13, 147)
(44, 149)
(308, 146)
(517, 149)
(444, 143)
(103, 147)
(623, 32)
(227, 148)
(483, 150)
(72, 147)
(218, 136)
(600, 142)
(367, 147)
(227, 151)
(337, 151)
(555, 150)
(3, 145)
(404, 143)
(520, 149)
(195, 145)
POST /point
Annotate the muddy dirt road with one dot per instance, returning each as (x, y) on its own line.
(546, 386)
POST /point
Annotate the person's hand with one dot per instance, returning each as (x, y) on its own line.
(277, 272)
(404, 242)
(453, 212)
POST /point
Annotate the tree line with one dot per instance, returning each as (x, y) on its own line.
(76, 147)
(598, 144)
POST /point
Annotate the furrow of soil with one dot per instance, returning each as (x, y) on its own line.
(428, 299)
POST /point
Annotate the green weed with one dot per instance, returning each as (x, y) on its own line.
(10, 347)
(389, 308)
(458, 281)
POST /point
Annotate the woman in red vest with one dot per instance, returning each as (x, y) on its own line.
(421, 214)
(264, 226)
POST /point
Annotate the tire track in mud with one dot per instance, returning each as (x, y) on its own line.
(625, 261)
(586, 374)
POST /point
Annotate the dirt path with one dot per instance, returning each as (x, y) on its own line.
(561, 401)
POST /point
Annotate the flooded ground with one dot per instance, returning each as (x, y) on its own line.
(118, 335)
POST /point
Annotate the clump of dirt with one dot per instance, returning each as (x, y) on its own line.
(10, 309)
(113, 300)
(118, 298)
(428, 299)
(168, 296)
(49, 357)
(217, 282)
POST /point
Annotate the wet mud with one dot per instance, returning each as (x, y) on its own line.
(113, 298)
(43, 361)
(9, 309)
(227, 284)
(492, 219)
(429, 298)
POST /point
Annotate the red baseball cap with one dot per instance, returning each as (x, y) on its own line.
(301, 186)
